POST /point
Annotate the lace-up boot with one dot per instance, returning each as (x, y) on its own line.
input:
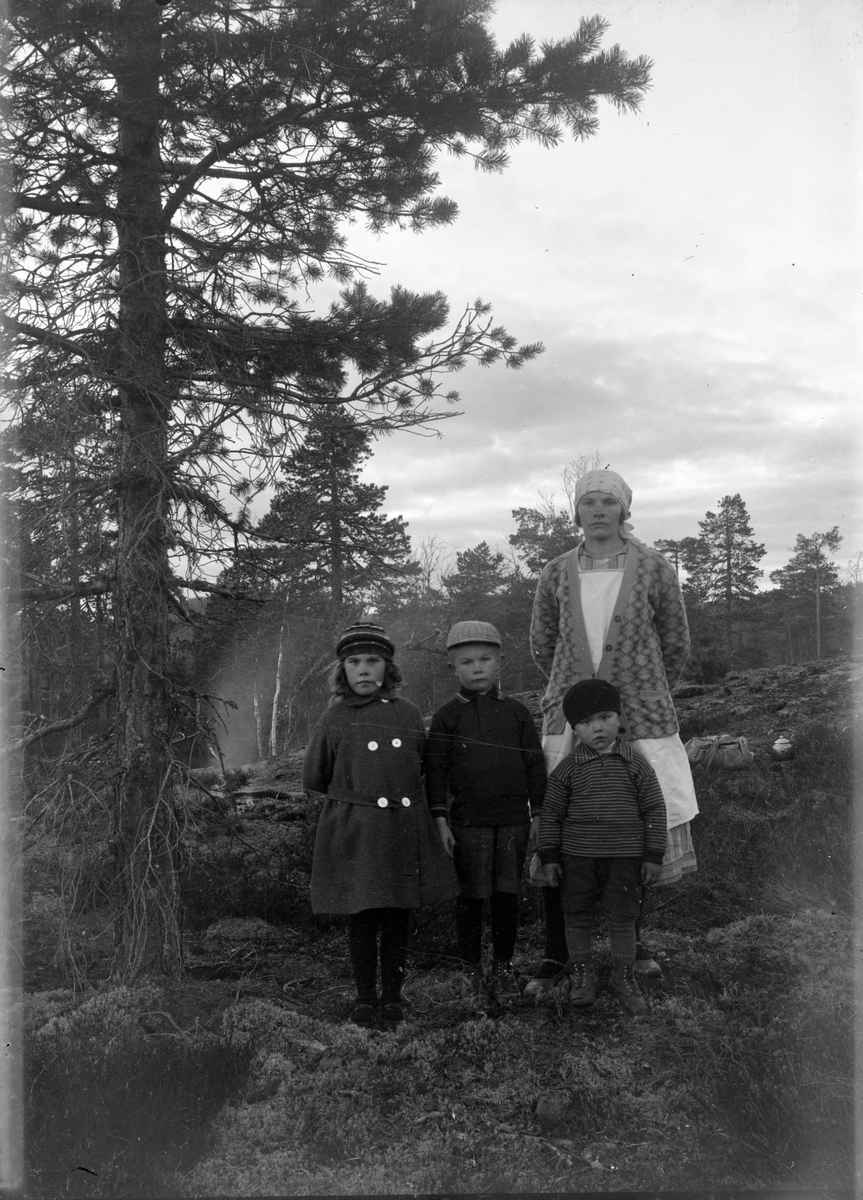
(627, 991)
(582, 985)
(502, 983)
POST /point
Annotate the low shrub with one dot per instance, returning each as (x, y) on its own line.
(257, 868)
(770, 837)
(776, 1039)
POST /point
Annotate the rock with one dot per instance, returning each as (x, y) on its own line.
(242, 929)
(551, 1108)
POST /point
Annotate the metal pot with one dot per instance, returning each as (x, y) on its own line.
(782, 749)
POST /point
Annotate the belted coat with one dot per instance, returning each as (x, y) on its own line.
(376, 845)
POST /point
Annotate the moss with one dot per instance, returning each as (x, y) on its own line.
(112, 1084)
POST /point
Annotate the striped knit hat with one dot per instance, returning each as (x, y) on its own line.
(472, 631)
(365, 638)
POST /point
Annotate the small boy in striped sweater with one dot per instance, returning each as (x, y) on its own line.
(602, 835)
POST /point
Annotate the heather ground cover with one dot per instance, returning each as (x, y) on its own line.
(248, 1080)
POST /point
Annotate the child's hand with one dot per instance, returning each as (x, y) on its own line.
(649, 873)
(552, 873)
(533, 836)
(446, 835)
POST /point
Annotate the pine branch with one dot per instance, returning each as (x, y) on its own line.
(63, 591)
(215, 589)
(61, 208)
(67, 723)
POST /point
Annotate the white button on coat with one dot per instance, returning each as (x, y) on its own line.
(373, 745)
(383, 802)
(397, 742)
(406, 801)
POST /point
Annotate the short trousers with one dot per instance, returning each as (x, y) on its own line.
(489, 858)
(616, 880)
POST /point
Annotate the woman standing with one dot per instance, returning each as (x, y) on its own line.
(612, 609)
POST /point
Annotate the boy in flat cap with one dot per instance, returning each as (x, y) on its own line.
(602, 835)
(485, 780)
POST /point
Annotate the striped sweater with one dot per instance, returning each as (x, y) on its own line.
(603, 805)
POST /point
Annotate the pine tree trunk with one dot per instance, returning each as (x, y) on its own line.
(72, 539)
(729, 583)
(147, 925)
(817, 612)
(336, 559)
(256, 705)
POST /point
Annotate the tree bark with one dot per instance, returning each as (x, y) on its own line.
(337, 560)
(147, 928)
(818, 608)
(256, 702)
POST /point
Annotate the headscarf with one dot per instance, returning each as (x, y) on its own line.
(613, 485)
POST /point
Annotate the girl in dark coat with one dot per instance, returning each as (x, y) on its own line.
(377, 852)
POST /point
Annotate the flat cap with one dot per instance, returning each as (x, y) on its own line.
(472, 631)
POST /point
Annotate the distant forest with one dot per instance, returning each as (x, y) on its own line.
(253, 655)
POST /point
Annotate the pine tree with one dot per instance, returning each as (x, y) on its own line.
(679, 551)
(63, 555)
(330, 518)
(180, 171)
(807, 577)
(722, 562)
(541, 534)
(480, 574)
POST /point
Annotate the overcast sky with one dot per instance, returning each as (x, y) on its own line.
(693, 271)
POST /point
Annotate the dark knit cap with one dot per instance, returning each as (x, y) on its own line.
(590, 696)
(364, 638)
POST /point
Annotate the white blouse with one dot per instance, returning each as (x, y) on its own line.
(599, 582)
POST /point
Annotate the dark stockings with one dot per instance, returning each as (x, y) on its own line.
(504, 923)
(468, 925)
(555, 927)
(363, 945)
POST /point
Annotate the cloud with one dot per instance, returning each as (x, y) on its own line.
(693, 271)
(684, 421)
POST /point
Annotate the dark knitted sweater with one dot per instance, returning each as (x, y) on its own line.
(603, 805)
(484, 762)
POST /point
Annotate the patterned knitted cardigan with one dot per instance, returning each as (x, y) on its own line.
(647, 643)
